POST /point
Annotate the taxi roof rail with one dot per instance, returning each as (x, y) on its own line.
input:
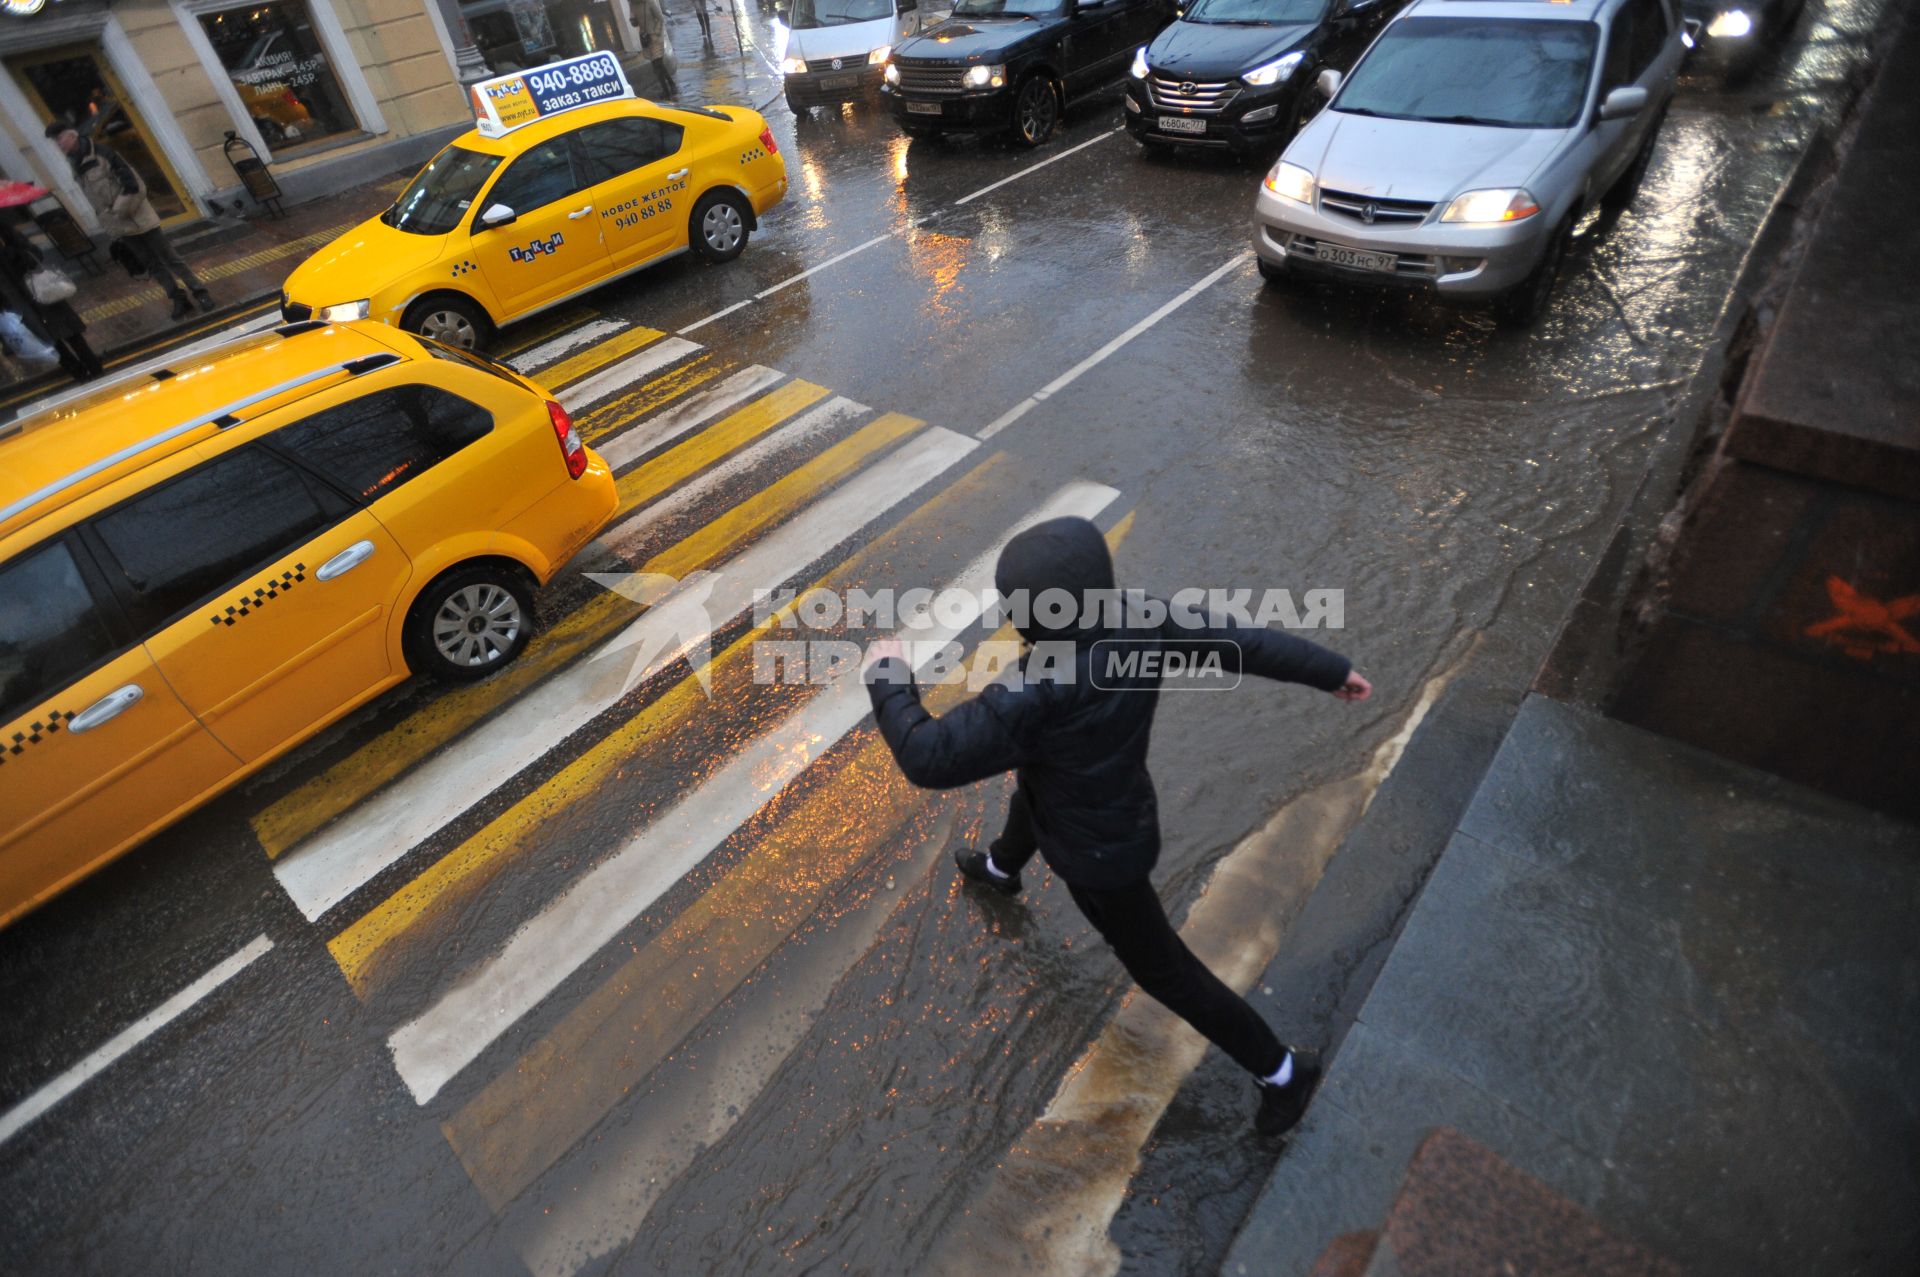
(223, 417)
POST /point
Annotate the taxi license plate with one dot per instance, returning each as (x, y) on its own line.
(1180, 124)
(837, 81)
(1335, 255)
(924, 108)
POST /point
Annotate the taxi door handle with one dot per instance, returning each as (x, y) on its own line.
(112, 705)
(579, 213)
(345, 561)
(674, 177)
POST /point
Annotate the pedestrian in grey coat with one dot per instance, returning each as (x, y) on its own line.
(650, 17)
(119, 199)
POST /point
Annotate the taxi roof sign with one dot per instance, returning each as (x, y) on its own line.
(508, 102)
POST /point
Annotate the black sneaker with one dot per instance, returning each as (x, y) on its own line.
(204, 300)
(1281, 1107)
(181, 306)
(973, 866)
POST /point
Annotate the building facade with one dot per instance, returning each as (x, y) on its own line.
(330, 93)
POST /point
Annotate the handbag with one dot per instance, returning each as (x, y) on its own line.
(49, 286)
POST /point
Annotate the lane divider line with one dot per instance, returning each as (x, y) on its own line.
(670, 629)
(23, 1114)
(1074, 373)
(1034, 168)
(431, 1049)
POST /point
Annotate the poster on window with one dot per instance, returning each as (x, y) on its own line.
(280, 70)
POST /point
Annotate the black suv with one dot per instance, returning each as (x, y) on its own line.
(1240, 73)
(1014, 64)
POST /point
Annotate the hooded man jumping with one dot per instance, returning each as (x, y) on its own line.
(1074, 729)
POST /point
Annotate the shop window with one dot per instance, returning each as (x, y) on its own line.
(515, 34)
(281, 71)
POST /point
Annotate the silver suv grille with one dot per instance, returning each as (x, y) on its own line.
(1201, 97)
(931, 81)
(1373, 210)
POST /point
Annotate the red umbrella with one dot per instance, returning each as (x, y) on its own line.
(14, 194)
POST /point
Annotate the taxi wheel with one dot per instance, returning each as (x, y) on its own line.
(450, 319)
(469, 623)
(719, 226)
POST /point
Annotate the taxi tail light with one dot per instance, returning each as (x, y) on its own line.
(767, 143)
(571, 448)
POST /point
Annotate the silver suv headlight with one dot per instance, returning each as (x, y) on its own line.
(1291, 182)
(1491, 207)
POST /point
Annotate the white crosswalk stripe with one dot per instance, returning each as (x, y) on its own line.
(540, 356)
(634, 368)
(642, 437)
(431, 1049)
(347, 854)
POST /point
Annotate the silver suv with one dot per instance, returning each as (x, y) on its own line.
(1467, 142)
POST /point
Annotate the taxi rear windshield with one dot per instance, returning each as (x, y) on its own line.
(436, 200)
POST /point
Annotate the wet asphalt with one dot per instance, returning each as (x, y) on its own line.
(821, 1071)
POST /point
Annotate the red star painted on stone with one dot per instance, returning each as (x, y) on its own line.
(1865, 627)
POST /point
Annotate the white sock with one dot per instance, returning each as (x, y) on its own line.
(995, 870)
(1280, 1076)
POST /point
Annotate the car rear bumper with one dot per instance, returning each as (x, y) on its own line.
(1454, 261)
(561, 523)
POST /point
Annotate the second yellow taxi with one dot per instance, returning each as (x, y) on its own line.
(566, 182)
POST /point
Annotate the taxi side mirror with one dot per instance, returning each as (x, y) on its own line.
(497, 215)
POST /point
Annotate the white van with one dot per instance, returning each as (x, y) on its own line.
(837, 49)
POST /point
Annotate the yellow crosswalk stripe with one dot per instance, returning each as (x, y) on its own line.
(298, 814)
(460, 872)
(597, 356)
(609, 417)
(557, 322)
(526, 1118)
(652, 478)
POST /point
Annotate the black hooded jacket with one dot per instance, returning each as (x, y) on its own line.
(1080, 750)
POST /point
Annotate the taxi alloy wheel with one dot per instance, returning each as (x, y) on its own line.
(449, 319)
(469, 623)
(1035, 111)
(719, 227)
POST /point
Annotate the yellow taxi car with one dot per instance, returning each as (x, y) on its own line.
(203, 565)
(566, 183)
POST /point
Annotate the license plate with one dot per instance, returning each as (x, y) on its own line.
(924, 108)
(837, 81)
(1335, 255)
(1181, 124)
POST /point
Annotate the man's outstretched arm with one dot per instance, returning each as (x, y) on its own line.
(980, 737)
(1275, 654)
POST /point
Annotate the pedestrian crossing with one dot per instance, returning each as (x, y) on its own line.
(733, 480)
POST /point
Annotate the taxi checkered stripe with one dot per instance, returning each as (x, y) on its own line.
(273, 589)
(39, 730)
(461, 268)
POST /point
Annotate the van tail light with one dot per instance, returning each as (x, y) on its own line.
(767, 143)
(570, 446)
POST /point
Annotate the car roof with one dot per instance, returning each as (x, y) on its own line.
(517, 140)
(1549, 10)
(55, 457)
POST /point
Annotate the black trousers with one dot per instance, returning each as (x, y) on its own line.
(164, 263)
(1134, 924)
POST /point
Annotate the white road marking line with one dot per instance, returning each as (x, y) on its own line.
(542, 355)
(634, 441)
(347, 854)
(1074, 373)
(1034, 168)
(622, 540)
(718, 314)
(643, 363)
(30, 1109)
(431, 1049)
(895, 233)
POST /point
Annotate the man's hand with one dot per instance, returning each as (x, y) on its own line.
(1356, 688)
(880, 650)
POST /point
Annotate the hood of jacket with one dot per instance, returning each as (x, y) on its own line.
(1060, 554)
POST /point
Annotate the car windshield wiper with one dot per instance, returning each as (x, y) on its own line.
(1471, 119)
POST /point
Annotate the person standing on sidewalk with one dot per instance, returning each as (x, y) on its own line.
(1074, 733)
(650, 18)
(55, 323)
(119, 197)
